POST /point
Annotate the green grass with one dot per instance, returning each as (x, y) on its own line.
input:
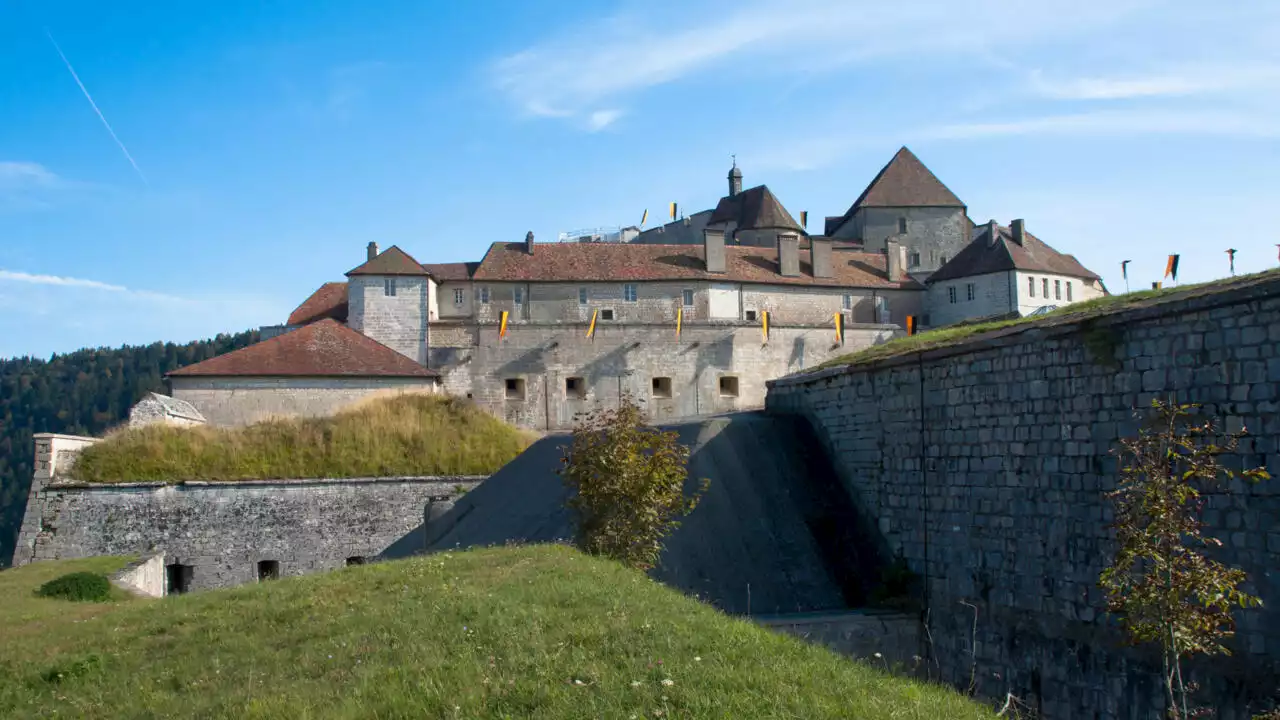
(957, 334)
(396, 436)
(520, 632)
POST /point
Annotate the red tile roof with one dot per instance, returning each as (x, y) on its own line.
(447, 272)
(322, 349)
(617, 262)
(982, 256)
(330, 301)
(392, 261)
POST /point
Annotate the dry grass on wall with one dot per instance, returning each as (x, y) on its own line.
(409, 434)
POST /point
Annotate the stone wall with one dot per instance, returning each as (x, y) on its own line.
(398, 321)
(991, 296)
(985, 465)
(145, 577)
(241, 401)
(55, 456)
(884, 639)
(222, 531)
(936, 233)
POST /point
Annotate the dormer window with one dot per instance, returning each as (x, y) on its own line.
(914, 259)
(389, 287)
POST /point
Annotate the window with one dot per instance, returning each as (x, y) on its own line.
(575, 387)
(1057, 289)
(177, 578)
(902, 224)
(606, 314)
(969, 292)
(515, 388)
(629, 292)
(457, 296)
(389, 286)
(582, 296)
(942, 260)
(751, 315)
(268, 570)
(728, 386)
(1068, 291)
(688, 298)
(847, 304)
(951, 295)
(517, 296)
(662, 387)
(1044, 286)
(1031, 286)
(484, 296)
(356, 560)
(914, 259)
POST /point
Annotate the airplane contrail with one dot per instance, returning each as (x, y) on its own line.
(94, 105)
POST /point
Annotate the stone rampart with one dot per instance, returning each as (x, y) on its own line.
(985, 464)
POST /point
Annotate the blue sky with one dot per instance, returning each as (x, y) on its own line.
(262, 145)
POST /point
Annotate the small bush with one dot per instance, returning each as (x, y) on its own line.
(81, 586)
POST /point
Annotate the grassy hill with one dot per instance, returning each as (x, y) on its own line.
(528, 632)
(388, 436)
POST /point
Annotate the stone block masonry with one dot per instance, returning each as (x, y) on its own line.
(219, 534)
(985, 464)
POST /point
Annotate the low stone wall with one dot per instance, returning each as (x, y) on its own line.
(883, 638)
(145, 577)
(218, 534)
(985, 464)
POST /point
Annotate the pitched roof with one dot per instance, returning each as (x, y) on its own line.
(392, 261)
(330, 301)
(620, 262)
(753, 209)
(982, 256)
(446, 272)
(322, 349)
(903, 182)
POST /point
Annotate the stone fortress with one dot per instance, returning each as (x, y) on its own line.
(692, 318)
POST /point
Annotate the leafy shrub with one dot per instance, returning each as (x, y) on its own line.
(82, 586)
(628, 482)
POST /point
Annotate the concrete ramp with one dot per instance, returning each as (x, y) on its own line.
(775, 532)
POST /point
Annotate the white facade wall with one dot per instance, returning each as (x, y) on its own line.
(992, 295)
(1057, 290)
(398, 321)
(243, 401)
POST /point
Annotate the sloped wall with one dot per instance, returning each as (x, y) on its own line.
(985, 466)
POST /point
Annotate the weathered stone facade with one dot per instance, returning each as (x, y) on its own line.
(231, 401)
(885, 639)
(219, 534)
(985, 465)
(933, 235)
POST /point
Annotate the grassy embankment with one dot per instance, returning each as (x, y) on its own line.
(395, 436)
(956, 334)
(519, 632)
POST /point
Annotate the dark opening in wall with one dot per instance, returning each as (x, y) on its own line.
(177, 578)
(575, 387)
(662, 387)
(355, 560)
(606, 314)
(728, 386)
(751, 315)
(515, 388)
(268, 570)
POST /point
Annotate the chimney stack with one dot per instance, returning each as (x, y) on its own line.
(1019, 230)
(820, 256)
(528, 242)
(895, 259)
(373, 250)
(789, 255)
(993, 232)
(713, 243)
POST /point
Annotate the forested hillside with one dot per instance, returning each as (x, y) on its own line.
(82, 393)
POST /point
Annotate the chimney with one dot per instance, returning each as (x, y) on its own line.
(373, 250)
(1019, 229)
(789, 255)
(895, 259)
(528, 242)
(993, 232)
(820, 256)
(713, 243)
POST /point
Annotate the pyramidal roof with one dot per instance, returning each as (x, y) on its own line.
(906, 182)
(753, 208)
(326, 348)
(392, 261)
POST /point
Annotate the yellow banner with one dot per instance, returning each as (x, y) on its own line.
(679, 320)
(644, 217)
(840, 328)
(591, 331)
(804, 219)
(764, 325)
(673, 211)
(502, 328)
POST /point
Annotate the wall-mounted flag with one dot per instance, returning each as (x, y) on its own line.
(679, 321)
(804, 219)
(1231, 258)
(1171, 268)
(764, 325)
(644, 217)
(591, 331)
(673, 211)
(840, 328)
(502, 326)
(1157, 285)
(911, 324)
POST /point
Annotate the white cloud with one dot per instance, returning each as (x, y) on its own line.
(16, 175)
(1183, 82)
(600, 119)
(72, 282)
(1141, 122)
